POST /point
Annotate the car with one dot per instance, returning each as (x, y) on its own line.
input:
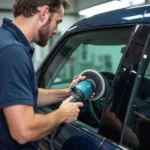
(116, 44)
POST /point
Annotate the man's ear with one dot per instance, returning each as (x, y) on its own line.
(44, 12)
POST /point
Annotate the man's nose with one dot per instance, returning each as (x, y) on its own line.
(56, 31)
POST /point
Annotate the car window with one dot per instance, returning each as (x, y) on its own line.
(100, 50)
(138, 127)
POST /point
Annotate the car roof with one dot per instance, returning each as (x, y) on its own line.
(131, 15)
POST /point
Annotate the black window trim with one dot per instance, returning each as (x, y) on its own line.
(137, 82)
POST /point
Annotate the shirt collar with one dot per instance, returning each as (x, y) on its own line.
(7, 24)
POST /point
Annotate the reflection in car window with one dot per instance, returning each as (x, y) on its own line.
(100, 50)
(116, 113)
(140, 115)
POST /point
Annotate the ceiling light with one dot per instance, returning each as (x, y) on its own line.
(109, 6)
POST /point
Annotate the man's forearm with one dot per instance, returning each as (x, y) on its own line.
(40, 126)
(48, 97)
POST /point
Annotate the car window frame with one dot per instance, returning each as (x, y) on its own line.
(50, 57)
(41, 71)
(140, 72)
(119, 145)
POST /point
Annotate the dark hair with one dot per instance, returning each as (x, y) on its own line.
(28, 8)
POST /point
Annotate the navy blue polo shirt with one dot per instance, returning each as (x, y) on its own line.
(18, 84)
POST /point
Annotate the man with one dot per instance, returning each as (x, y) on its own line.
(20, 124)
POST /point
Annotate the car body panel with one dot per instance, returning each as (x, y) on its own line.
(126, 16)
(71, 137)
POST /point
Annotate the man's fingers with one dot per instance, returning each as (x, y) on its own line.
(69, 99)
(75, 77)
(80, 104)
(70, 120)
(80, 78)
(93, 93)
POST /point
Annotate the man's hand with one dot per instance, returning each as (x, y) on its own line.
(76, 80)
(70, 110)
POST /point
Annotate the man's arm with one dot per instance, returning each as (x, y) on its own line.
(26, 126)
(48, 97)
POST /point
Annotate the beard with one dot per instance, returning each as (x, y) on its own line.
(44, 34)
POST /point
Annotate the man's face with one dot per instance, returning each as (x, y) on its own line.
(50, 28)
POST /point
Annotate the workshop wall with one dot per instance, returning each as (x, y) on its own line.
(40, 52)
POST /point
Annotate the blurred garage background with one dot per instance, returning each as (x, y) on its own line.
(79, 9)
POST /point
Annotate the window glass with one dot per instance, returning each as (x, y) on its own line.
(138, 127)
(100, 50)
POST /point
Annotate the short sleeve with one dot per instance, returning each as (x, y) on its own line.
(15, 77)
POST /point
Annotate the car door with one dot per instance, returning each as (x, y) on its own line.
(99, 49)
(125, 119)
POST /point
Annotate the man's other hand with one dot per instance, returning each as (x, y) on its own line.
(70, 110)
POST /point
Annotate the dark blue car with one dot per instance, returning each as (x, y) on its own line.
(117, 45)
